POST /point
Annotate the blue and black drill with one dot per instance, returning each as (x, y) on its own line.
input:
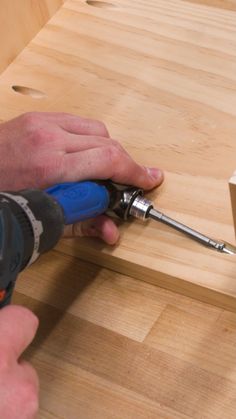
(32, 220)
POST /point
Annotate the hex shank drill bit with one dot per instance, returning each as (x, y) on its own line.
(143, 209)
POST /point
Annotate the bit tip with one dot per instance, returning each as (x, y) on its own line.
(229, 249)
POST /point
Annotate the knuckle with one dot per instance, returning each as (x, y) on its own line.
(101, 127)
(96, 126)
(30, 119)
(114, 155)
(40, 137)
(116, 144)
(37, 133)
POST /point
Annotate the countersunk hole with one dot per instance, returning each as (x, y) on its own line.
(97, 3)
(28, 91)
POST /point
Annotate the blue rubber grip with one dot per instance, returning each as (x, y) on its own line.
(80, 200)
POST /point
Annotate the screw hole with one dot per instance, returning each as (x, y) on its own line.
(28, 91)
(102, 4)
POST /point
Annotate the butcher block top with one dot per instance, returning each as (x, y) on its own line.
(128, 331)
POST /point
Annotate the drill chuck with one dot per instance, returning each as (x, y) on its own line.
(140, 208)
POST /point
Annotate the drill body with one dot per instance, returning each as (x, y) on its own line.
(32, 221)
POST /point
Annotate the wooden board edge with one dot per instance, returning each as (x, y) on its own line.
(232, 188)
(163, 280)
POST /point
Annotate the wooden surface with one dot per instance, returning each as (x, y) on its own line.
(20, 21)
(162, 76)
(112, 347)
(166, 88)
(224, 4)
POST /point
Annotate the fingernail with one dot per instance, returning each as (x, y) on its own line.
(156, 174)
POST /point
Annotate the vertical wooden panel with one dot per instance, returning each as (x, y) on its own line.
(19, 23)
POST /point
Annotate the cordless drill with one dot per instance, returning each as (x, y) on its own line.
(32, 221)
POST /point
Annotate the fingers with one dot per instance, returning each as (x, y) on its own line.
(18, 326)
(66, 148)
(76, 143)
(82, 126)
(109, 162)
(102, 227)
(71, 132)
(76, 124)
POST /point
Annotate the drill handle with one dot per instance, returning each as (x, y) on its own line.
(80, 200)
(11, 252)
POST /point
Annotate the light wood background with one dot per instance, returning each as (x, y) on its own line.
(161, 74)
(20, 21)
(224, 4)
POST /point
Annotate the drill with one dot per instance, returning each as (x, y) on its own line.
(32, 221)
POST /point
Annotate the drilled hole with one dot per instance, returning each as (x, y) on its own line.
(28, 91)
(101, 4)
